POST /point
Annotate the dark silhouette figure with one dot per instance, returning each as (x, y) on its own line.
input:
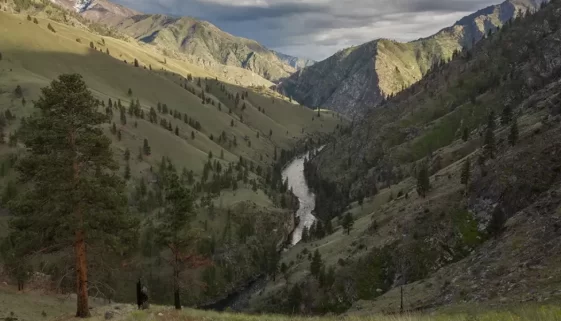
(139, 294)
(144, 298)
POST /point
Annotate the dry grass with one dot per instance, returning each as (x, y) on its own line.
(530, 313)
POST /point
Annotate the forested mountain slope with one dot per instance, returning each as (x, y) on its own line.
(447, 193)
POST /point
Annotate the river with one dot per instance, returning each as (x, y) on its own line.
(294, 173)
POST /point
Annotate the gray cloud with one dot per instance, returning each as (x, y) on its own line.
(318, 28)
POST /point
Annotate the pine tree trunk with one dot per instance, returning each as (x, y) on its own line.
(176, 297)
(82, 308)
(401, 303)
(81, 275)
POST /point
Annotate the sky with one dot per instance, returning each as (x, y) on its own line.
(316, 29)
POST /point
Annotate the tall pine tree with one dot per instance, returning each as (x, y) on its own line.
(68, 155)
(174, 231)
(513, 134)
(423, 181)
(465, 172)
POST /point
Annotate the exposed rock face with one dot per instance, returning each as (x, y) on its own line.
(360, 77)
(339, 81)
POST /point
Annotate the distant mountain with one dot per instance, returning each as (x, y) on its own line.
(206, 43)
(361, 76)
(294, 62)
(101, 11)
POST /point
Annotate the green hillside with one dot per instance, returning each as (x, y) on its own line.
(223, 146)
(420, 221)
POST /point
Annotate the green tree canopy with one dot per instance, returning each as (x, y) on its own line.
(68, 156)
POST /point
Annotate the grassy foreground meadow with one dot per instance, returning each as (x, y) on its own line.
(33, 306)
(530, 313)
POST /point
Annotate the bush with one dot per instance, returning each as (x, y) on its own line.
(51, 28)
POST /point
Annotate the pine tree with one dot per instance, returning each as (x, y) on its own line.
(119, 135)
(91, 45)
(174, 231)
(18, 92)
(316, 265)
(192, 135)
(491, 121)
(506, 116)
(35, 21)
(70, 169)
(465, 176)
(114, 129)
(176, 131)
(305, 234)
(513, 134)
(135, 62)
(146, 148)
(348, 222)
(295, 299)
(129, 92)
(127, 171)
(465, 134)
(489, 144)
(51, 28)
(423, 181)
(140, 153)
(142, 188)
(127, 154)
(123, 116)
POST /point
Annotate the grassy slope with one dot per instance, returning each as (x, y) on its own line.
(207, 42)
(33, 56)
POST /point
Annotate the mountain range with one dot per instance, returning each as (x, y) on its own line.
(362, 76)
(200, 40)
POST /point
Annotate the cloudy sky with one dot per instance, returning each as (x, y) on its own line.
(318, 28)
